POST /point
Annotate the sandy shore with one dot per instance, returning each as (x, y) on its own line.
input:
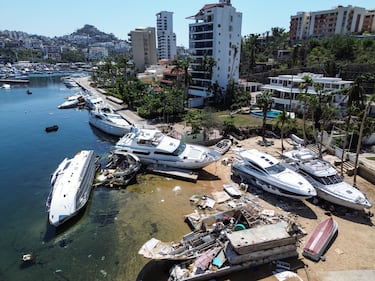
(352, 254)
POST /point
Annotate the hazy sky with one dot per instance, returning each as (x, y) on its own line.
(57, 18)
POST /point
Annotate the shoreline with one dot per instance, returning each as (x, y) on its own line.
(350, 256)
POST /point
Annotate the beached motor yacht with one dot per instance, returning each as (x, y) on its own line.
(71, 185)
(328, 183)
(108, 121)
(154, 147)
(268, 173)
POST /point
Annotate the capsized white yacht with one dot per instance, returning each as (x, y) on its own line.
(71, 185)
(268, 173)
(108, 121)
(73, 101)
(154, 147)
(329, 184)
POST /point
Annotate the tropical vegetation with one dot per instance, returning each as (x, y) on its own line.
(348, 56)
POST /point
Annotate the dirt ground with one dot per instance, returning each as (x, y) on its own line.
(352, 253)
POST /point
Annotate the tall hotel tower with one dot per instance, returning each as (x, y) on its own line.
(143, 47)
(166, 37)
(216, 33)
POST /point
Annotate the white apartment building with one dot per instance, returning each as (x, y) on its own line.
(215, 33)
(167, 49)
(285, 90)
(143, 43)
(339, 20)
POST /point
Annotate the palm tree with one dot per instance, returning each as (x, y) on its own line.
(183, 65)
(355, 102)
(315, 103)
(283, 121)
(264, 101)
(304, 86)
(365, 113)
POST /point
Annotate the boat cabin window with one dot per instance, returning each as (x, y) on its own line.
(141, 152)
(180, 149)
(255, 167)
(333, 179)
(275, 169)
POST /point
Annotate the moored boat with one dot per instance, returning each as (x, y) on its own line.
(268, 173)
(319, 240)
(71, 185)
(53, 128)
(110, 122)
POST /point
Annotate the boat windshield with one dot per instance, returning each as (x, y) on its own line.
(275, 169)
(180, 149)
(333, 179)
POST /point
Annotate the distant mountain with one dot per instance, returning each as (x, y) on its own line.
(94, 34)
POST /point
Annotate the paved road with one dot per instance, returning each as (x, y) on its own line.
(131, 117)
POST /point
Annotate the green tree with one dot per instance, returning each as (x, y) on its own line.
(307, 81)
(283, 122)
(264, 101)
(359, 144)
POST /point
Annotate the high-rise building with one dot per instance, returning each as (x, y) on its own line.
(166, 37)
(339, 20)
(143, 43)
(215, 46)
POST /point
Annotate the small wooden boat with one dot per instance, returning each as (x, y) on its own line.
(223, 146)
(320, 239)
(53, 128)
(232, 190)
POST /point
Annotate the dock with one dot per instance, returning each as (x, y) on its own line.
(172, 172)
(14, 81)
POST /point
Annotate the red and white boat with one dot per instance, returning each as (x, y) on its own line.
(320, 239)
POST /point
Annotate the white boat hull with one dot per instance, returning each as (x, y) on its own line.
(154, 148)
(352, 204)
(329, 185)
(110, 129)
(270, 185)
(71, 186)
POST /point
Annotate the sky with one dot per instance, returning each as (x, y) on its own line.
(57, 18)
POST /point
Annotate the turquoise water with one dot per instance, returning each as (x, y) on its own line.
(270, 114)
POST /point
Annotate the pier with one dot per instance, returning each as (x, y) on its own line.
(14, 81)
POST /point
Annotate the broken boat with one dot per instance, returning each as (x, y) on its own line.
(119, 171)
(228, 242)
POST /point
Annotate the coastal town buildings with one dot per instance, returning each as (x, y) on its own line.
(143, 43)
(166, 37)
(216, 34)
(285, 90)
(339, 20)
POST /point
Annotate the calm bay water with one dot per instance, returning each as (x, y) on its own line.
(103, 242)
